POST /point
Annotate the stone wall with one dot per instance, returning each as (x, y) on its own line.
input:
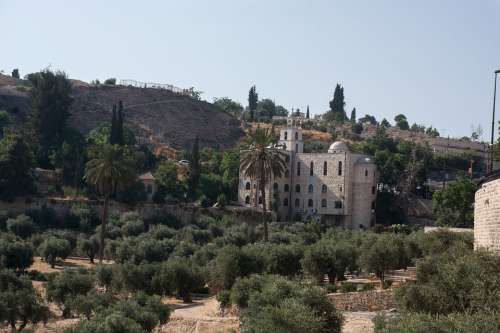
(487, 216)
(373, 300)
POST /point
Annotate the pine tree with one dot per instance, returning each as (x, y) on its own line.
(253, 100)
(307, 112)
(194, 172)
(353, 116)
(15, 73)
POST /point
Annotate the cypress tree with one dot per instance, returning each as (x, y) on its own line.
(112, 133)
(337, 106)
(353, 115)
(307, 112)
(253, 100)
(119, 125)
(194, 174)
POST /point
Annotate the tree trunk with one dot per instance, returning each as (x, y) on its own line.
(266, 231)
(103, 227)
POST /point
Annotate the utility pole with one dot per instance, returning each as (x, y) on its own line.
(490, 169)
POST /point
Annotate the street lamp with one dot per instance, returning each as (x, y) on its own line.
(493, 119)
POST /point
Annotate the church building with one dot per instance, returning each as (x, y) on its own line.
(338, 187)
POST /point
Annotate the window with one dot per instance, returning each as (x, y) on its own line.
(247, 186)
(366, 173)
(325, 168)
(323, 203)
(310, 188)
(323, 188)
(287, 158)
(373, 204)
(297, 188)
(260, 200)
(340, 168)
(297, 202)
(338, 204)
(340, 188)
(247, 199)
(286, 135)
(285, 202)
(310, 202)
(373, 189)
(287, 173)
(298, 168)
(286, 188)
(296, 135)
(275, 187)
(284, 146)
(296, 147)
(150, 189)
(311, 168)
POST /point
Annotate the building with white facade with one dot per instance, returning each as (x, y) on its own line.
(337, 187)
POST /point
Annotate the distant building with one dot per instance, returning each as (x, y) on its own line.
(337, 187)
(149, 184)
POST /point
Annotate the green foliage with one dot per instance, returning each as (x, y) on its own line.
(110, 81)
(253, 99)
(402, 122)
(20, 304)
(454, 204)
(64, 287)
(89, 247)
(166, 177)
(179, 278)
(15, 73)
(228, 105)
(4, 121)
(21, 226)
(53, 248)
(454, 283)
(337, 106)
(279, 305)
(51, 99)
(15, 254)
(16, 161)
(194, 169)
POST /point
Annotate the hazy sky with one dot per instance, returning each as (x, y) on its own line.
(430, 60)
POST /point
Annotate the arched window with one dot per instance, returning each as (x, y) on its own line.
(298, 168)
(323, 203)
(247, 186)
(297, 188)
(287, 173)
(340, 168)
(296, 135)
(373, 189)
(325, 168)
(340, 188)
(366, 173)
(297, 202)
(286, 135)
(286, 188)
(323, 188)
(310, 189)
(310, 202)
(260, 200)
(338, 204)
(275, 187)
(247, 199)
(311, 168)
(285, 202)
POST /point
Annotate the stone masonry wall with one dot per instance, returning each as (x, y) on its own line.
(373, 300)
(487, 217)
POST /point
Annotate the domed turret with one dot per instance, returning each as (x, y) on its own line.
(338, 147)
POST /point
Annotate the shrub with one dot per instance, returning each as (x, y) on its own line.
(89, 247)
(110, 81)
(44, 218)
(348, 287)
(21, 226)
(178, 277)
(224, 298)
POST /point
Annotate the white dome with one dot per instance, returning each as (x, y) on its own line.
(338, 146)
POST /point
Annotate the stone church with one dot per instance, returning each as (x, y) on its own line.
(337, 187)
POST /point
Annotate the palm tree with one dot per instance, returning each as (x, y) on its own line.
(262, 162)
(110, 166)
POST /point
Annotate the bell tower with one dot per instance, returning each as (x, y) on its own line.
(291, 138)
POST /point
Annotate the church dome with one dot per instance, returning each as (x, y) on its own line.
(338, 146)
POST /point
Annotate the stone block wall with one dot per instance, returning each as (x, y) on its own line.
(487, 216)
(373, 300)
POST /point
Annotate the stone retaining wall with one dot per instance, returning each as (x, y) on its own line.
(373, 300)
(487, 216)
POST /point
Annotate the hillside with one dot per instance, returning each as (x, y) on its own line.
(159, 117)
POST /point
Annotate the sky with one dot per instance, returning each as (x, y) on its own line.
(430, 60)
